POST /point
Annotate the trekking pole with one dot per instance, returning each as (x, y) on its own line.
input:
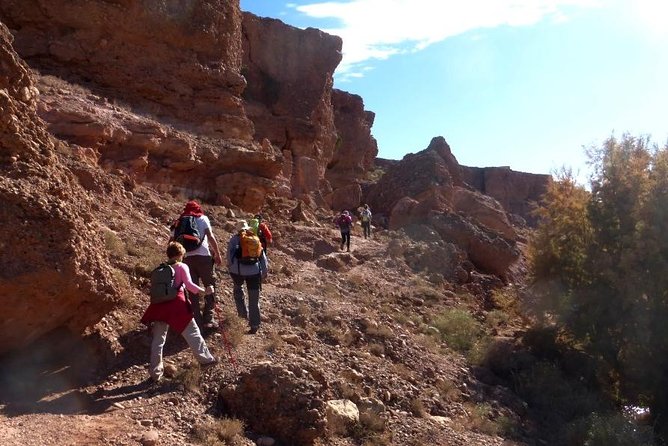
(226, 342)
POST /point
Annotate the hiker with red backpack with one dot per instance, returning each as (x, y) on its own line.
(261, 229)
(345, 223)
(169, 308)
(193, 230)
(247, 263)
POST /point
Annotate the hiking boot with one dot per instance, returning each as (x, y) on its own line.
(212, 324)
(211, 363)
(254, 329)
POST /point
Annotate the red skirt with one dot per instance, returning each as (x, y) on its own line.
(176, 313)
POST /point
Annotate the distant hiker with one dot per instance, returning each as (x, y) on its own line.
(365, 215)
(175, 314)
(247, 262)
(345, 222)
(261, 229)
(193, 230)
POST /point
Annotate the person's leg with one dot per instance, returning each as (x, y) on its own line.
(343, 240)
(254, 284)
(159, 330)
(348, 240)
(208, 279)
(238, 293)
(194, 338)
(193, 266)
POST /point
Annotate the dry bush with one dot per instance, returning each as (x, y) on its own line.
(478, 419)
(234, 327)
(497, 318)
(190, 377)
(227, 431)
(448, 390)
(114, 244)
(370, 431)
(418, 409)
(380, 331)
(377, 349)
(274, 342)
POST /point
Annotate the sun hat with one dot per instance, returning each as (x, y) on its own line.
(242, 225)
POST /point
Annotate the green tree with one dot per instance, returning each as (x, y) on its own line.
(599, 264)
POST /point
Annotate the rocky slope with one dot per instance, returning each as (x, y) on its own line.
(106, 130)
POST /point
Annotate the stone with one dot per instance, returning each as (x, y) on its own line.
(342, 415)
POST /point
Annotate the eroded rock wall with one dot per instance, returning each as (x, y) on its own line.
(174, 60)
(289, 97)
(516, 191)
(428, 188)
(54, 271)
(355, 150)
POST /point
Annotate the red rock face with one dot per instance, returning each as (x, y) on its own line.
(355, 150)
(178, 60)
(514, 190)
(427, 189)
(289, 73)
(54, 270)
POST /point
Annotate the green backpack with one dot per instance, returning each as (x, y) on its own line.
(254, 224)
(162, 284)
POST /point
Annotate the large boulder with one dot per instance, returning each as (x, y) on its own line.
(55, 270)
(286, 403)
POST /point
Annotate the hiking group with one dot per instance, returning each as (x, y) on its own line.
(176, 295)
(192, 254)
(344, 221)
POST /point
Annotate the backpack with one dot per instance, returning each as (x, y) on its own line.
(254, 224)
(250, 248)
(187, 233)
(344, 222)
(162, 284)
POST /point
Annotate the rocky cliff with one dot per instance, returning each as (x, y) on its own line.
(54, 271)
(427, 190)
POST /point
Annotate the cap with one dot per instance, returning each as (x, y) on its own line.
(242, 225)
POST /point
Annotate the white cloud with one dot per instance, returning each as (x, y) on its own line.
(378, 29)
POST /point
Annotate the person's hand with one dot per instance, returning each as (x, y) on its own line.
(217, 259)
(202, 293)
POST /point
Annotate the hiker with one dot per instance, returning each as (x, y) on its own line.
(344, 221)
(193, 230)
(247, 262)
(177, 315)
(261, 229)
(366, 220)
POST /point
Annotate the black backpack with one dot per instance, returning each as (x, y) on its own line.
(187, 233)
(163, 288)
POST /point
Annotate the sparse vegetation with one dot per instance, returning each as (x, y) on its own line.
(223, 432)
(458, 328)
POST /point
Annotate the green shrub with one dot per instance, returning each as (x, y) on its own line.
(459, 329)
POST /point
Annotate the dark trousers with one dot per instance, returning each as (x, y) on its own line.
(345, 240)
(201, 267)
(253, 284)
(366, 227)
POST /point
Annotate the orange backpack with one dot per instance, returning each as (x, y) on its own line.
(250, 248)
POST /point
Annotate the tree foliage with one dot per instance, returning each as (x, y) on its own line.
(599, 266)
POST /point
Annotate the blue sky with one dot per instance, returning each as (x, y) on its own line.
(519, 83)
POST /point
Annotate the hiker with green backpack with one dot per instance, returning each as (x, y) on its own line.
(193, 230)
(170, 309)
(247, 263)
